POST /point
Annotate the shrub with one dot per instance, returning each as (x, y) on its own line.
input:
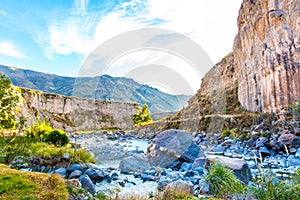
(142, 116)
(81, 156)
(226, 133)
(223, 182)
(38, 130)
(9, 99)
(57, 137)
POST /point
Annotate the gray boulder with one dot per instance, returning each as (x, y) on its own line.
(199, 162)
(181, 186)
(238, 166)
(96, 175)
(87, 184)
(172, 145)
(75, 174)
(163, 183)
(61, 171)
(134, 163)
(73, 167)
(293, 161)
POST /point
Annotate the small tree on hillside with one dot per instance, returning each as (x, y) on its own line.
(8, 104)
(142, 115)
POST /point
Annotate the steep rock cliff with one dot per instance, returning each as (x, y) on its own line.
(72, 113)
(267, 54)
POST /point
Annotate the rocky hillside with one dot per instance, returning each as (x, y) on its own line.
(73, 114)
(108, 88)
(267, 54)
(261, 74)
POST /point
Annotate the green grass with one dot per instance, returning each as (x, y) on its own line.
(223, 182)
(20, 146)
(267, 188)
(15, 185)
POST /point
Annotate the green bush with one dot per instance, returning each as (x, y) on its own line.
(38, 130)
(142, 116)
(223, 182)
(226, 133)
(9, 100)
(57, 137)
(81, 156)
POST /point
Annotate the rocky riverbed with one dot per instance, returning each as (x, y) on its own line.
(174, 159)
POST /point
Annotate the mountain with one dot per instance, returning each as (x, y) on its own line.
(106, 88)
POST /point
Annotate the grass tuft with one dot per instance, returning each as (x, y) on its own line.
(16, 184)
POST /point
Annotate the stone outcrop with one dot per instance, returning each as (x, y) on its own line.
(267, 54)
(261, 74)
(172, 147)
(73, 114)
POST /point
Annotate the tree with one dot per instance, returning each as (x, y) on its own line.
(57, 137)
(8, 104)
(142, 115)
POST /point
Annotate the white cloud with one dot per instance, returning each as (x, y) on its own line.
(2, 12)
(81, 6)
(9, 49)
(212, 24)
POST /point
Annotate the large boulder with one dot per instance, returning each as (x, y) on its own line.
(134, 163)
(181, 186)
(238, 166)
(96, 175)
(87, 184)
(290, 140)
(73, 167)
(172, 145)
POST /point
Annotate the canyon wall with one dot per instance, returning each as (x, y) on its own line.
(267, 54)
(73, 114)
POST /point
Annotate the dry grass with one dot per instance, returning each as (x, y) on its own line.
(16, 184)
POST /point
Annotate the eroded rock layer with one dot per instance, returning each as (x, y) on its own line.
(267, 54)
(72, 113)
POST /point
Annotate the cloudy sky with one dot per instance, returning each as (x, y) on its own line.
(56, 36)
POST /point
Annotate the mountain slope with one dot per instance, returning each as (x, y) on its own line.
(108, 88)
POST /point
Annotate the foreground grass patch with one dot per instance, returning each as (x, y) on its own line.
(16, 184)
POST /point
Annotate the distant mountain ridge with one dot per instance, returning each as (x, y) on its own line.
(108, 88)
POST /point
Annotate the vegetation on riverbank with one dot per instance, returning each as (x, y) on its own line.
(16, 184)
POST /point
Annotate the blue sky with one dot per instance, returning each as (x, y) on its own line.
(56, 36)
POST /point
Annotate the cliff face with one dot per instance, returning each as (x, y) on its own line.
(267, 54)
(72, 113)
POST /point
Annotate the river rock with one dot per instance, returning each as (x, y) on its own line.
(199, 162)
(136, 162)
(75, 174)
(87, 183)
(264, 151)
(238, 166)
(73, 167)
(293, 161)
(61, 171)
(228, 142)
(114, 176)
(289, 140)
(172, 145)
(181, 186)
(297, 155)
(163, 183)
(218, 150)
(95, 175)
(203, 186)
(185, 166)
